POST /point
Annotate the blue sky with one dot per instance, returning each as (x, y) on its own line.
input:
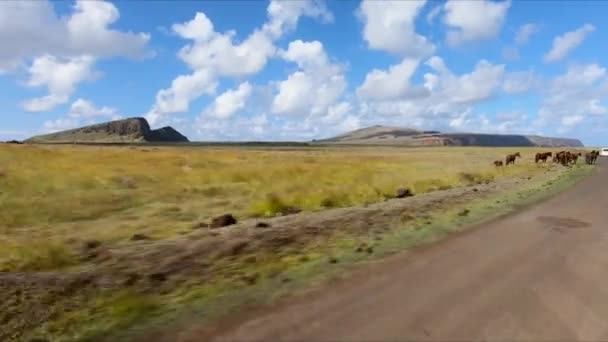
(298, 70)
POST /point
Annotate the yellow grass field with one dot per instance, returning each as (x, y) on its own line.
(71, 212)
(53, 195)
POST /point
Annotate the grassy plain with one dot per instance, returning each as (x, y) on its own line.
(55, 194)
(56, 199)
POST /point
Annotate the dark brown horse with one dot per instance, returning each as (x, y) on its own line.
(558, 156)
(510, 159)
(591, 157)
(498, 163)
(563, 157)
(567, 158)
(595, 155)
(542, 156)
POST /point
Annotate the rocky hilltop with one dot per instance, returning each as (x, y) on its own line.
(386, 135)
(119, 131)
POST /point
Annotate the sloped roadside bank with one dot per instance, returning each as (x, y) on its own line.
(440, 216)
(215, 272)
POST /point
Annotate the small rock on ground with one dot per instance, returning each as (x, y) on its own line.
(139, 237)
(222, 221)
(157, 276)
(91, 244)
(361, 248)
(464, 212)
(403, 193)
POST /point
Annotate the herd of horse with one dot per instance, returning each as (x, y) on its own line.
(562, 157)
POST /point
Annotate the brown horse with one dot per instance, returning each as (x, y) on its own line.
(510, 159)
(563, 157)
(542, 156)
(567, 158)
(558, 156)
(498, 163)
(574, 157)
(591, 157)
(595, 155)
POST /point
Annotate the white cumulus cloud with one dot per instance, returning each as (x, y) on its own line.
(564, 44)
(284, 15)
(391, 84)
(474, 20)
(230, 102)
(478, 85)
(389, 26)
(33, 28)
(520, 82)
(225, 57)
(213, 55)
(525, 32)
(200, 28)
(574, 96)
(449, 100)
(60, 76)
(312, 89)
(572, 120)
(86, 109)
(183, 90)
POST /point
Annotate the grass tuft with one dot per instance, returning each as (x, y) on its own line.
(39, 256)
(270, 206)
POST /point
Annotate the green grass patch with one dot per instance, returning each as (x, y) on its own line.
(38, 256)
(105, 312)
(269, 206)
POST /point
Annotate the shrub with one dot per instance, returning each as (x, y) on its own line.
(129, 307)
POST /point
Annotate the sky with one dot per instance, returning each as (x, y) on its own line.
(302, 70)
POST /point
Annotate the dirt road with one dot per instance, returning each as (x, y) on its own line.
(540, 274)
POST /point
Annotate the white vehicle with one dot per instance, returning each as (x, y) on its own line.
(604, 152)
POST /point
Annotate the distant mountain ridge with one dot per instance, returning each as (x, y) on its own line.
(137, 129)
(126, 131)
(387, 135)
